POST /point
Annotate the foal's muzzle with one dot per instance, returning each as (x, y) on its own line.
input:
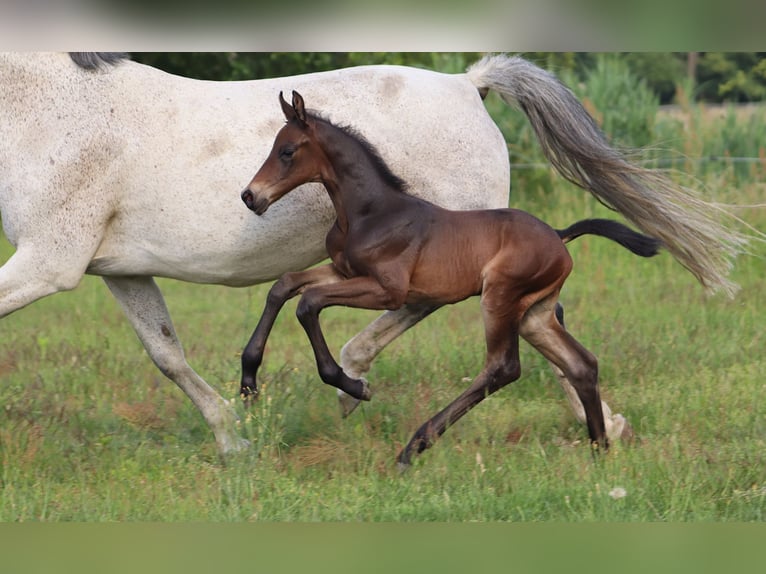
(257, 204)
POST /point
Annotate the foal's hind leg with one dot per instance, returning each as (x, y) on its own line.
(501, 367)
(617, 426)
(142, 302)
(542, 330)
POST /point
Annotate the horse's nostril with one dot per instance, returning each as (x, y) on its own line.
(247, 197)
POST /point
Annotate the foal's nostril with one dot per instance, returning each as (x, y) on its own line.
(247, 197)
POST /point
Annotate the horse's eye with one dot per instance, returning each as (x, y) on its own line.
(286, 153)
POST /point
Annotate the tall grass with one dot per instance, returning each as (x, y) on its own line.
(90, 430)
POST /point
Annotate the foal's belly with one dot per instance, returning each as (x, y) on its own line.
(444, 284)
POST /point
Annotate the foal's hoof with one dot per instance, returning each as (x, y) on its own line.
(248, 396)
(347, 403)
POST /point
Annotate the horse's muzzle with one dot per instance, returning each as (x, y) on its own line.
(253, 203)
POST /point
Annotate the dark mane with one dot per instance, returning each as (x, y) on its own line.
(97, 60)
(370, 150)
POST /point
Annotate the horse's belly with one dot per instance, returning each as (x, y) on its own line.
(443, 284)
(226, 245)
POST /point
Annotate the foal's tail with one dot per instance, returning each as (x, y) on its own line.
(575, 145)
(638, 243)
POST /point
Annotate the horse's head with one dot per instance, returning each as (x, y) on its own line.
(295, 158)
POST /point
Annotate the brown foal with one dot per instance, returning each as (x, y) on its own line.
(388, 248)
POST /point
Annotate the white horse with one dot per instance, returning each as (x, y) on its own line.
(117, 169)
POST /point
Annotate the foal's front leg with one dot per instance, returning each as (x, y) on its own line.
(287, 287)
(358, 292)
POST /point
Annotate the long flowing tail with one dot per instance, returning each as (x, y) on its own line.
(638, 243)
(573, 143)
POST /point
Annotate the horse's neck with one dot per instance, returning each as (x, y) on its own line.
(354, 190)
(32, 75)
(38, 63)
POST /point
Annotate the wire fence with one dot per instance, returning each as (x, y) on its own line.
(659, 162)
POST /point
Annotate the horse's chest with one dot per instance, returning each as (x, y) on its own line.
(351, 261)
(345, 253)
(362, 249)
(354, 260)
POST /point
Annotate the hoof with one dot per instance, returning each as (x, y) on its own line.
(402, 467)
(240, 445)
(628, 435)
(366, 394)
(347, 403)
(621, 429)
(234, 448)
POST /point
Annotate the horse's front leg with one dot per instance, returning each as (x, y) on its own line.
(357, 354)
(358, 292)
(287, 287)
(143, 304)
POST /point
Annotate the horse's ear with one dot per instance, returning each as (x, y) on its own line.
(287, 109)
(298, 106)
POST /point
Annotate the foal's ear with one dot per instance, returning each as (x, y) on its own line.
(287, 109)
(295, 112)
(298, 106)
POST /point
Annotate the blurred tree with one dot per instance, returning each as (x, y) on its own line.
(621, 101)
(662, 71)
(731, 76)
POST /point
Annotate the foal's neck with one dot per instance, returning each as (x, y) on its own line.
(359, 182)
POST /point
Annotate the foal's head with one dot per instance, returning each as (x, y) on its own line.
(295, 158)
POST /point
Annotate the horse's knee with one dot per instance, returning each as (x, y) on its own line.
(165, 351)
(502, 373)
(172, 365)
(306, 309)
(280, 291)
(510, 371)
(168, 356)
(583, 373)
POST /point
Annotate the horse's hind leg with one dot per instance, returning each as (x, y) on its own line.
(617, 426)
(541, 328)
(142, 302)
(357, 354)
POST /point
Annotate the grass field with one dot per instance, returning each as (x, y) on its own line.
(91, 431)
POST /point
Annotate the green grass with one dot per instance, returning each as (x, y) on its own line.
(91, 431)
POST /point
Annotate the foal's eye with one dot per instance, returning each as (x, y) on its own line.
(286, 153)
